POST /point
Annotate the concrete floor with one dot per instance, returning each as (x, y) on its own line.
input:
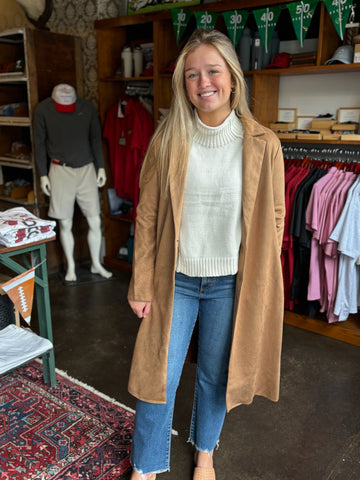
(312, 433)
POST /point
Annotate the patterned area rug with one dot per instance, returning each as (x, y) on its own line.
(60, 433)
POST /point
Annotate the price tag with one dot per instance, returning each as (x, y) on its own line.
(235, 22)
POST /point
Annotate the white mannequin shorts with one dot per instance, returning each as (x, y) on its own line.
(70, 185)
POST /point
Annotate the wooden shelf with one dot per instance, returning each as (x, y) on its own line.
(315, 70)
(348, 331)
(113, 33)
(13, 77)
(15, 121)
(121, 218)
(44, 67)
(15, 162)
(118, 78)
(19, 201)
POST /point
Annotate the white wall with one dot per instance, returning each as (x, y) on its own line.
(320, 94)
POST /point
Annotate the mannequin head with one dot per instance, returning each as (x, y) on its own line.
(64, 97)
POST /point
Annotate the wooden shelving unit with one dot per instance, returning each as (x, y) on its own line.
(48, 59)
(113, 34)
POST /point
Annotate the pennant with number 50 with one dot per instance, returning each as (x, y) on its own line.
(301, 14)
(235, 22)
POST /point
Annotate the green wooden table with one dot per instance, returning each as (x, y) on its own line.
(19, 259)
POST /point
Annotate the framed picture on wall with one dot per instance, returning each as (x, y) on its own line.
(346, 115)
(304, 122)
(287, 115)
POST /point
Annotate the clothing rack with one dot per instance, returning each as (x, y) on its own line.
(326, 152)
(345, 157)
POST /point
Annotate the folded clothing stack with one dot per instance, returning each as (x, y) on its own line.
(18, 227)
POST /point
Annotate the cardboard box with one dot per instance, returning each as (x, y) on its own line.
(282, 126)
(322, 123)
(331, 136)
(345, 126)
(350, 137)
(286, 136)
(309, 136)
(357, 53)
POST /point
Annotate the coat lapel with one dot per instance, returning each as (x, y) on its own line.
(253, 154)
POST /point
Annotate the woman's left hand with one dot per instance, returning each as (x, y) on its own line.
(141, 309)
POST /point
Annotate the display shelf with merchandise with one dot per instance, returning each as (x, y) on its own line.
(31, 63)
(264, 88)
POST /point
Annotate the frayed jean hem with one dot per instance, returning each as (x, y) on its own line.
(147, 473)
(203, 450)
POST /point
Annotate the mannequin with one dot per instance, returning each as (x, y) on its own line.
(67, 131)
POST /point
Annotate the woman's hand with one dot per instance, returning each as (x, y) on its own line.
(141, 309)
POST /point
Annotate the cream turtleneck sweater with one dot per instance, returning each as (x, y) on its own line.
(210, 229)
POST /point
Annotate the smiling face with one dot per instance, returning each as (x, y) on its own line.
(208, 84)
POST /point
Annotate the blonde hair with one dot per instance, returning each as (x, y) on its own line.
(170, 145)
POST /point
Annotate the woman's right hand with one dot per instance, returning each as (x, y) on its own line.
(141, 309)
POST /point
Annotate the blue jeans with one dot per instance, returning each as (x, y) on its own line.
(211, 300)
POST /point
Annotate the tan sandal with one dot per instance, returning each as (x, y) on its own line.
(204, 473)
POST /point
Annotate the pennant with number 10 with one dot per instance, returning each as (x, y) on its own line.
(180, 19)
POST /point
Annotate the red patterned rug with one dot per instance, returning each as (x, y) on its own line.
(60, 433)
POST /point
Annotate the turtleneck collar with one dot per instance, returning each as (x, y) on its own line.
(214, 137)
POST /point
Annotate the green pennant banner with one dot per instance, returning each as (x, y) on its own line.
(180, 20)
(301, 14)
(266, 20)
(235, 22)
(339, 11)
(206, 20)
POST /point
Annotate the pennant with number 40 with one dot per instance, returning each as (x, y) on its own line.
(235, 22)
(266, 20)
(339, 11)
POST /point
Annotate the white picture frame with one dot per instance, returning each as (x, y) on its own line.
(287, 115)
(348, 115)
(304, 122)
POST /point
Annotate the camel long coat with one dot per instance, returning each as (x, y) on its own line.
(254, 366)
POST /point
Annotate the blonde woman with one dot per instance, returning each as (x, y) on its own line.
(207, 248)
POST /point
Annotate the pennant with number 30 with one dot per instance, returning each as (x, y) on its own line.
(235, 22)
